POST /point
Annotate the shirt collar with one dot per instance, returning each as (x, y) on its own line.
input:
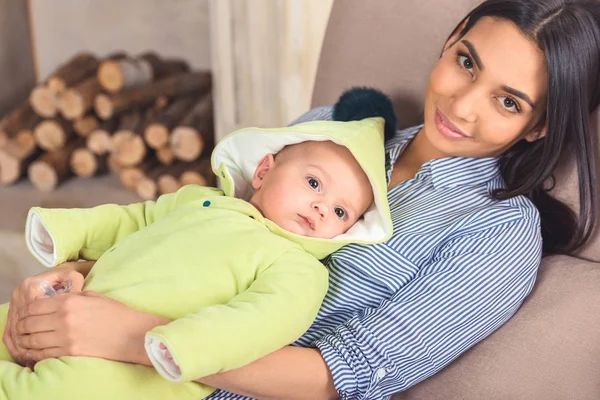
(444, 172)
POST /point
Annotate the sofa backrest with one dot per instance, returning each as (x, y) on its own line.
(394, 45)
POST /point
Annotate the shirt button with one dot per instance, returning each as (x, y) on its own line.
(206, 203)
(381, 373)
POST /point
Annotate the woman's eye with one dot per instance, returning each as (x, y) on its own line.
(313, 183)
(509, 104)
(465, 62)
(340, 212)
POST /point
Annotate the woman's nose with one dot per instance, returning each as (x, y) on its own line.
(465, 104)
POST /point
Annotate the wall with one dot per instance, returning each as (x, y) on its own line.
(175, 28)
(16, 67)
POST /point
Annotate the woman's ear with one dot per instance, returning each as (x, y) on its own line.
(265, 165)
(536, 134)
(456, 34)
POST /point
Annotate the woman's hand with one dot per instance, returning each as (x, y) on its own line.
(84, 324)
(28, 291)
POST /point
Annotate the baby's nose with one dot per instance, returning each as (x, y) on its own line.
(321, 209)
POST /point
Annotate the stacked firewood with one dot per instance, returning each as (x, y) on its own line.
(145, 118)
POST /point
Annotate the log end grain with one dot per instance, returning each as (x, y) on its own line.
(99, 142)
(187, 143)
(128, 148)
(193, 178)
(71, 104)
(147, 189)
(156, 135)
(167, 184)
(110, 76)
(130, 177)
(56, 84)
(103, 106)
(44, 101)
(10, 168)
(50, 135)
(83, 163)
(165, 155)
(42, 176)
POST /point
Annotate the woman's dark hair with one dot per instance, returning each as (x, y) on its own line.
(568, 32)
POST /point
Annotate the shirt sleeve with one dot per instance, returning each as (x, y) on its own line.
(473, 285)
(54, 236)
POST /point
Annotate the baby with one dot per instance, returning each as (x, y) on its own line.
(236, 268)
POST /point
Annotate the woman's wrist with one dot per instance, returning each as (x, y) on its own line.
(135, 351)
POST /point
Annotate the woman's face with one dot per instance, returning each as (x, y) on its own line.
(487, 92)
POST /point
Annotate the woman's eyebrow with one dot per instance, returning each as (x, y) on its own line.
(508, 89)
(519, 94)
(474, 53)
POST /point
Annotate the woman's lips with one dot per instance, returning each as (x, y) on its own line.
(447, 128)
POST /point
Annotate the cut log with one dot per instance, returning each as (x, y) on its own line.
(76, 101)
(131, 176)
(85, 125)
(15, 157)
(128, 148)
(53, 134)
(157, 129)
(22, 117)
(197, 172)
(193, 82)
(74, 71)
(127, 145)
(86, 164)
(44, 101)
(165, 155)
(118, 75)
(147, 187)
(113, 164)
(200, 173)
(195, 132)
(98, 141)
(52, 168)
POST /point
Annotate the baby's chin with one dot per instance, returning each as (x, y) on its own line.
(298, 229)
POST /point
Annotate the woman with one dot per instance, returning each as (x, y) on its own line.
(511, 92)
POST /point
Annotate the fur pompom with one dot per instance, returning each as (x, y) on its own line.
(363, 102)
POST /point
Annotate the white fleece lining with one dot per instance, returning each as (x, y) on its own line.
(250, 146)
(168, 369)
(39, 241)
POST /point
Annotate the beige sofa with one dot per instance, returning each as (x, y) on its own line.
(551, 348)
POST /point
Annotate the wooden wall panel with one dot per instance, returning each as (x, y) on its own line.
(16, 66)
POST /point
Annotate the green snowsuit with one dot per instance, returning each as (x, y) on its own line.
(236, 286)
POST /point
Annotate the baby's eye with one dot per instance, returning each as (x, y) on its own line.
(340, 212)
(313, 183)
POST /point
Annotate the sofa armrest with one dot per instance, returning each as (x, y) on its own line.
(549, 350)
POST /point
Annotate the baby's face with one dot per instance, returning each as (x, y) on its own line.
(314, 189)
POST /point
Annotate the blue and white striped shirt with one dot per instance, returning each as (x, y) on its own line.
(458, 266)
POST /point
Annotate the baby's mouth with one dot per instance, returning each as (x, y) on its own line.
(309, 222)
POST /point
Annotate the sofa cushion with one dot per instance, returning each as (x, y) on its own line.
(549, 350)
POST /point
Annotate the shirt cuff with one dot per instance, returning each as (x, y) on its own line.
(336, 355)
(39, 241)
(162, 360)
